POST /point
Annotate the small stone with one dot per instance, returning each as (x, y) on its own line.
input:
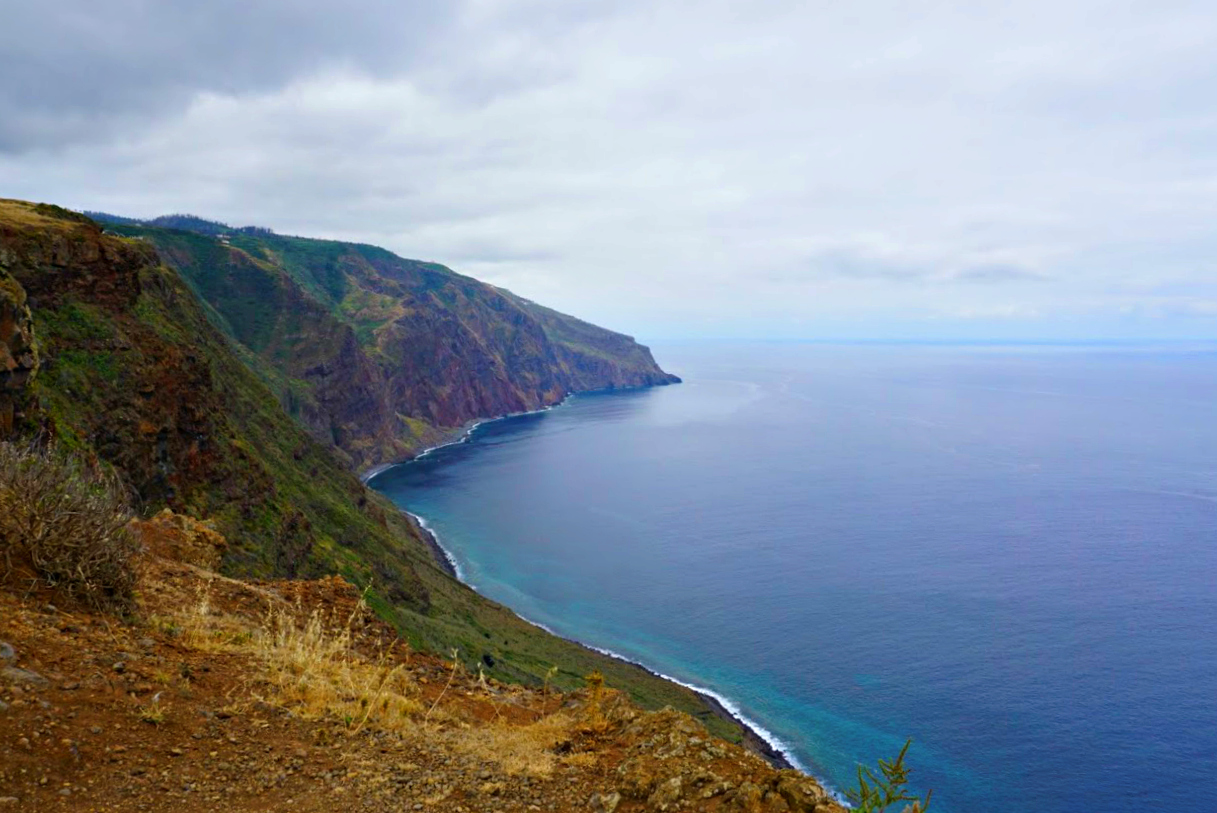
(147, 643)
(605, 802)
(15, 675)
(176, 752)
(7, 653)
(119, 666)
(70, 687)
(50, 608)
(3, 707)
(65, 791)
(95, 729)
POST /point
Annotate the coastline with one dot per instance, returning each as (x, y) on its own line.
(460, 436)
(445, 560)
(756, 737)
(463, 433)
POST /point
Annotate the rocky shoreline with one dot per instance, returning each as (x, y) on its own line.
(442, 558)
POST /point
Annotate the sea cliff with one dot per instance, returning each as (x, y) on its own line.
(381, 356)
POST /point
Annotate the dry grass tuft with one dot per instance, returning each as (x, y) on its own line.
(593, 715)
(310, 667)
(153, 712)
(314, 670)
(64, 526)
(528, 749)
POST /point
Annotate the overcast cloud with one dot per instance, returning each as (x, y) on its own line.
(763, 168)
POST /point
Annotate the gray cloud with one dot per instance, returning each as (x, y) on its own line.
(73, 69)
(868, 168)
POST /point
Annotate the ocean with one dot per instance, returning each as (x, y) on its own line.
(1007, 553)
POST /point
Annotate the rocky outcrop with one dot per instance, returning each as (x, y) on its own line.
(18, 351)
(181, 539)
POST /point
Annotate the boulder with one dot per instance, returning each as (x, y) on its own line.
(666, 795)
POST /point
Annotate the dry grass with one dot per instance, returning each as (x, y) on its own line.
(64, 525)
(310, 667)
(308, 664)
(21, 213)
(153, 712)
(314, 670)
(527, 749)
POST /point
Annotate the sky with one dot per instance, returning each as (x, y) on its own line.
(762, 169)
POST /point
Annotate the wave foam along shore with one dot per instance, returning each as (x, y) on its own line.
(772, 748)
(466, 433)
(444, 556)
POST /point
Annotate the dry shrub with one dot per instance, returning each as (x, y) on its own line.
(64, 525)
(527, 749)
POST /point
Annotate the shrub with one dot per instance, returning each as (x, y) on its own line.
(875, 794)
(65, 526)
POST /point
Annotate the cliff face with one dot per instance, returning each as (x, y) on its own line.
(18, 353)
(134, 374)
(381, 356)
(138, 373)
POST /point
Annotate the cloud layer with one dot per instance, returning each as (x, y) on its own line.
(675, 168)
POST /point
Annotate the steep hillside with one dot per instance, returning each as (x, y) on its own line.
(378, 355)
(113, 355)
(273, 696)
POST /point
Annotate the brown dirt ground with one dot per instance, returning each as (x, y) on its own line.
(135, 716)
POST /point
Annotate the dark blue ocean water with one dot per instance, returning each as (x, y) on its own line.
(1006, 553)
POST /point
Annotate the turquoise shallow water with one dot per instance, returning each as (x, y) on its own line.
(1009, 554)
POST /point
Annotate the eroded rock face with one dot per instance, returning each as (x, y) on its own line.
(18, 351)
(380, 356)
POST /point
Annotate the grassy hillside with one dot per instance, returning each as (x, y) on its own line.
(135, 373)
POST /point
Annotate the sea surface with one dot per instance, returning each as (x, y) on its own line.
(1008, 554)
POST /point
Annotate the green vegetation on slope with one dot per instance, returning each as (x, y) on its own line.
(135, 373)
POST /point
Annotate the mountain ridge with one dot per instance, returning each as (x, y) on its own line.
(379, 355)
